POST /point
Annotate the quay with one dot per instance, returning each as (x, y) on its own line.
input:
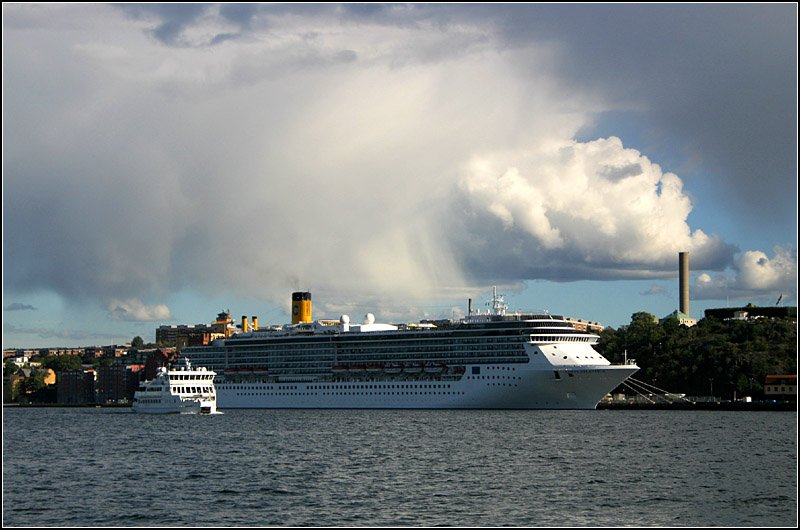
(775, 406)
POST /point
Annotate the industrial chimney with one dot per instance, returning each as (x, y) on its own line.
(683, 266)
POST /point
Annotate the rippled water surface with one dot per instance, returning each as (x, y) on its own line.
(110, 467)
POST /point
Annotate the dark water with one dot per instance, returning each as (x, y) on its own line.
(110, 467)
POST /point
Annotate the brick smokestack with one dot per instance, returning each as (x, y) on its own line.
(683, 265)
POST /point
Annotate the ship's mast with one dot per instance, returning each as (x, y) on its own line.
(498, 302)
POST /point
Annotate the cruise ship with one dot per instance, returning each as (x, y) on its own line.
(490, 360)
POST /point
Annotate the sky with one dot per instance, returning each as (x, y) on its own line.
(165, 162)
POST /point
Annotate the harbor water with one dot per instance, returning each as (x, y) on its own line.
(111, 467)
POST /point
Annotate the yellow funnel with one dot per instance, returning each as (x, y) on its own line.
(301, 307)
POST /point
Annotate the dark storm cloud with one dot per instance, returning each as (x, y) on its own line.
(323, 145)
(66, 335)
(715, 82)
(239, 14)
(106, 257)
(714, 85)
(17, 306)
(173, 19)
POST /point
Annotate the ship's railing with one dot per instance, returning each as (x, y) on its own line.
(534, 314)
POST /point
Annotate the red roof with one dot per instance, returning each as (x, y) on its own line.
(782, 379)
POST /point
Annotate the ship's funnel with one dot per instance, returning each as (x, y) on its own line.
(245, 327)
(255, 323)
(301, 307)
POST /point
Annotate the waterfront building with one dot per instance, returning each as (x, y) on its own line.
(160, 358)
(585, 325)
(750, 312)
(781, 387)
(682, 318)
(194, 334)
(75, 387)
(117, 383)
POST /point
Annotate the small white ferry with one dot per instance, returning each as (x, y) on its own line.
(182, 389)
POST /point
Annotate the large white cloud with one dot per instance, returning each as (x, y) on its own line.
(570, 210)
(137, 311)
(754, 274)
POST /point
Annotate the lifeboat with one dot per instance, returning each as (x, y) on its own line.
(434, 368)
(412, 368)
(393, 368)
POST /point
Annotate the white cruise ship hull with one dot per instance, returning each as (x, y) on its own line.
(500, 387)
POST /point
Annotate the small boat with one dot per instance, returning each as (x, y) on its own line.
(181, 390)
(434, 368)
(393, 368)
(412, 368)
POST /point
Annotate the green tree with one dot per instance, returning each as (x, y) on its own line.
(137, 342)
(62, 363)
(10, 368)
(34, 382)
(734, 356)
